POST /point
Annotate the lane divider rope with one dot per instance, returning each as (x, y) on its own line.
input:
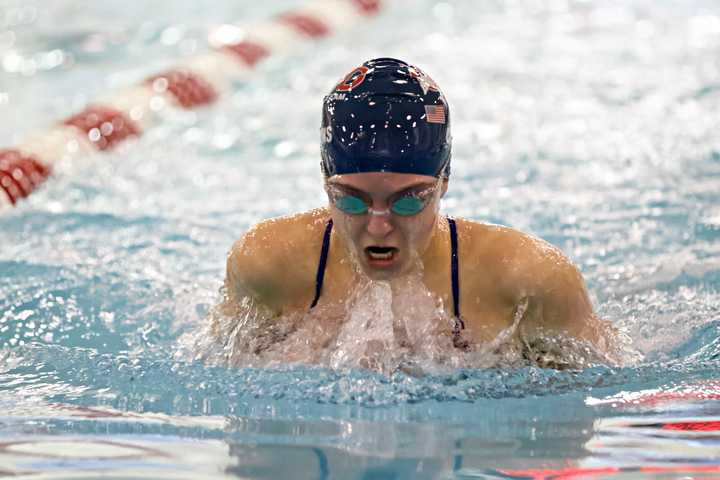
(195, 82)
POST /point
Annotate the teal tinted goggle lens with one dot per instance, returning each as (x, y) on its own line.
(407, 205)
(352, 205)
(404, 206)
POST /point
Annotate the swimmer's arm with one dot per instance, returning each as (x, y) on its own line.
(239, 299)
(558, 302)
(267, 266)
(247, 279)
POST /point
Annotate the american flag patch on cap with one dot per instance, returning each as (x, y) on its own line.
(435, 113)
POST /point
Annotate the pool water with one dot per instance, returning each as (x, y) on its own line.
(591, 125)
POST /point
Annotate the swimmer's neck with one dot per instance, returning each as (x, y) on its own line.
(435, 257)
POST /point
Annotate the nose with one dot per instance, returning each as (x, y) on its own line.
(379, 226)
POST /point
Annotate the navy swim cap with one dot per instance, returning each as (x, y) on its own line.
(386, 116)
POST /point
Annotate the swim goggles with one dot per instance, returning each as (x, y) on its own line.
(405, 203)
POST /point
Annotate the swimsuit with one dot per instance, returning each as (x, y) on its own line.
(454, 277)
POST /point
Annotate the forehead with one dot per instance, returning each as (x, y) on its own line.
(381, 182)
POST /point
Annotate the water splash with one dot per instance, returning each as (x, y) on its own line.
(386, 327)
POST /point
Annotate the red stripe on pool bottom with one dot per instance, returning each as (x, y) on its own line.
(305, 24)
(566, 473)
(698, 426)
(547, 474)
(189, 89)
(249, 52)
(20, 174)
(104, 126)
(663, 397)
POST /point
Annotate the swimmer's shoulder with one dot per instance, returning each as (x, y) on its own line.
(524, 269)
(516, 262)
(275, 261)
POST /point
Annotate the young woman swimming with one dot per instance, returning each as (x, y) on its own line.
(386, 150)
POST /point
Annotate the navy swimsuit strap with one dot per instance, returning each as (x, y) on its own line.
(458, 341)
(454, 273)
(320, 276)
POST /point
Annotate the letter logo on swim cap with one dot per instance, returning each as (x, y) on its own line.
(352, 80)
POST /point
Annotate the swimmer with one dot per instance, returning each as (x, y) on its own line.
(385, 158)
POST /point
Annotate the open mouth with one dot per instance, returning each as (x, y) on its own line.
(381, 253)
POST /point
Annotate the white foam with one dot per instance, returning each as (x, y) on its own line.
(368, 334)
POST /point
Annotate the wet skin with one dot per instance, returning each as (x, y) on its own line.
(275, 264)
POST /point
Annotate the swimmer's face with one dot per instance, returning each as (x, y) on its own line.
(385, 243)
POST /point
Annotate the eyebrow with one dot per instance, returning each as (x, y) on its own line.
(348, 189)
(411, 188)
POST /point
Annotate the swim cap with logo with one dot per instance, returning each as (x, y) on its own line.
(386, 116)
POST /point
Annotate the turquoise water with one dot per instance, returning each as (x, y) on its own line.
(593, 126)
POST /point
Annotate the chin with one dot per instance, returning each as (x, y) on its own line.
(380, 275)
(388, 273)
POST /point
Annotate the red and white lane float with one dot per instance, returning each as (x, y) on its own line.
(196, 82)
